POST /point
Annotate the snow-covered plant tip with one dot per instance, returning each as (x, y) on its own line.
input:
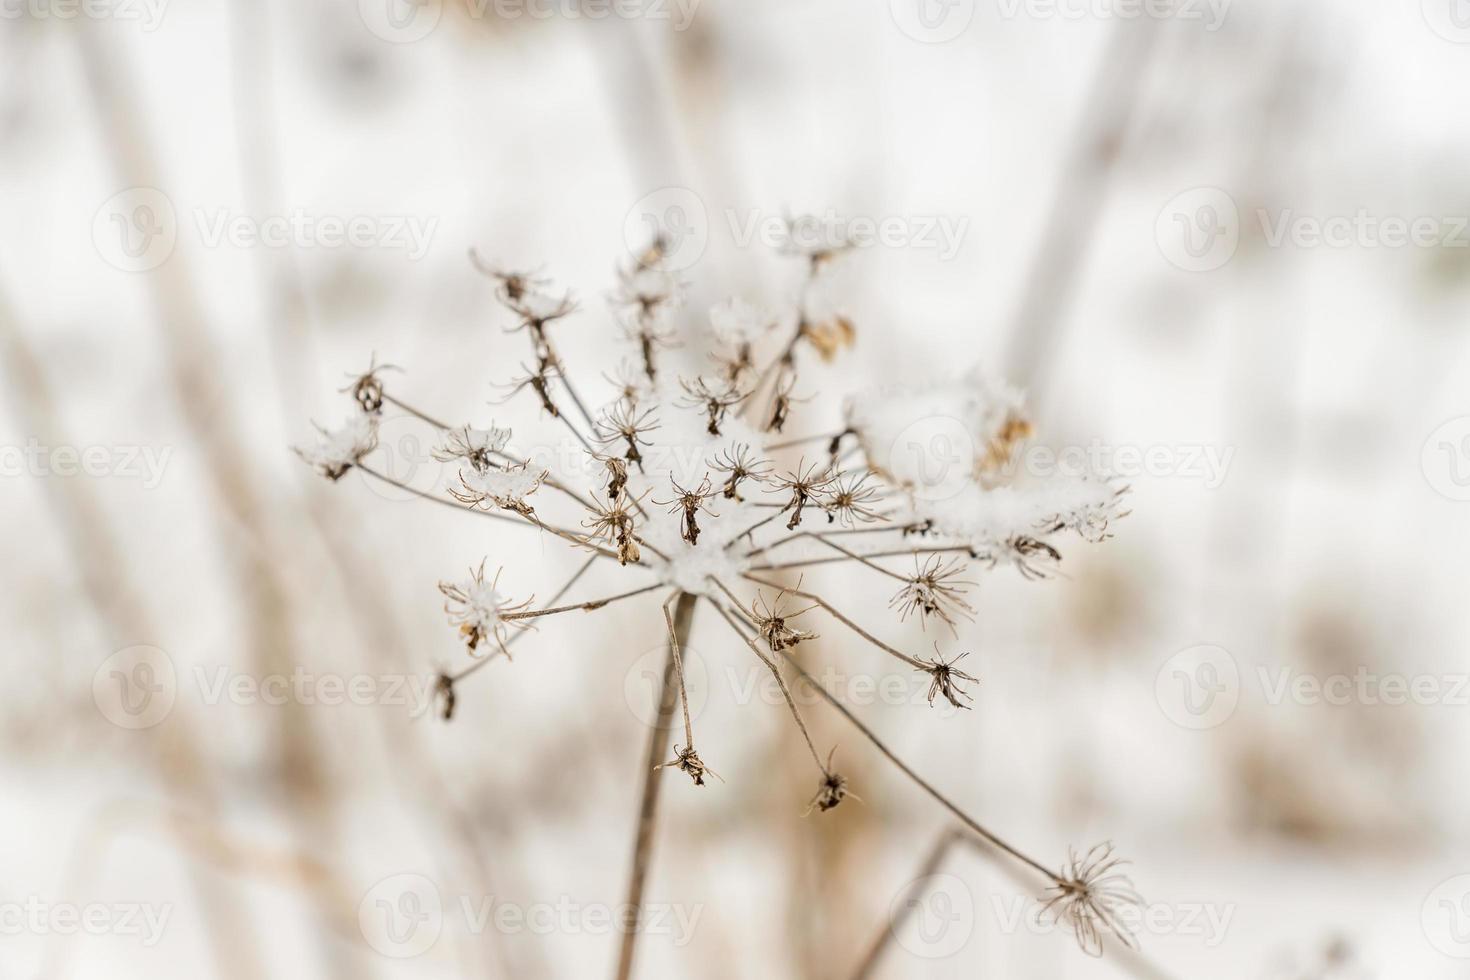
(693, 488)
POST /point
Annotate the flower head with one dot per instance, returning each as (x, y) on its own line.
(771, 622)
(338, 450)
(1088, 895)
(687, 760)
(505, 488)
(935, 589)
(367, 388)
(479, 610)
(474, 446)
(945, 678)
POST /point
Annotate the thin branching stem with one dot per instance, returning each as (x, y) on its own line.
(923, 784)
(658, 742)
(588, 606)
(781, 681)
(679, 668)
(906, 553)
(837, 614)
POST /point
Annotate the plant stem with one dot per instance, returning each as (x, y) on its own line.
(658, 747)
(964, 817)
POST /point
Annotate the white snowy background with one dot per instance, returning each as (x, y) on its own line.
(1328, 379)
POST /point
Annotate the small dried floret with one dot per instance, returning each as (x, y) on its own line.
(367, 388)
(771, 622)
(474, 446)
(338, 450)
(687, 760)
(782, 401)
(1089, 894)
(850, 500)
(1091, 519)
(737, 323)
(478, 609)
(538, 381)
(512, 285)
(805, 484)
(714, 398)
(1033, 558)
(627, 423)
(737, 462)
(833, 789)
(935, 589)
(688, 504)
(648, 290)
(945, 678)
(506, 488)
(614, 525)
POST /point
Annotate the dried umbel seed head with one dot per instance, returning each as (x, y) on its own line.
(713, 398)
(617, 475)
(626, 423)
(830, 793)
(945, 678)
(614, 525)
(1088, 895)
(782, 401)
(478, 609)
(686, 760)
(688, 504)
(475, 446)
(367, 388)
(740, 464)
(772, 622)
(538, 381)
(631, 382)
(935, 589)
(851, 500)
(512, 285)
(338, 450)
(1033, 558)
(647, 290)
(805, 484)
(505, 487)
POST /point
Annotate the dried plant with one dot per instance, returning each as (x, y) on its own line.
(935, 589)
(708, 438)
(1088, 895)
